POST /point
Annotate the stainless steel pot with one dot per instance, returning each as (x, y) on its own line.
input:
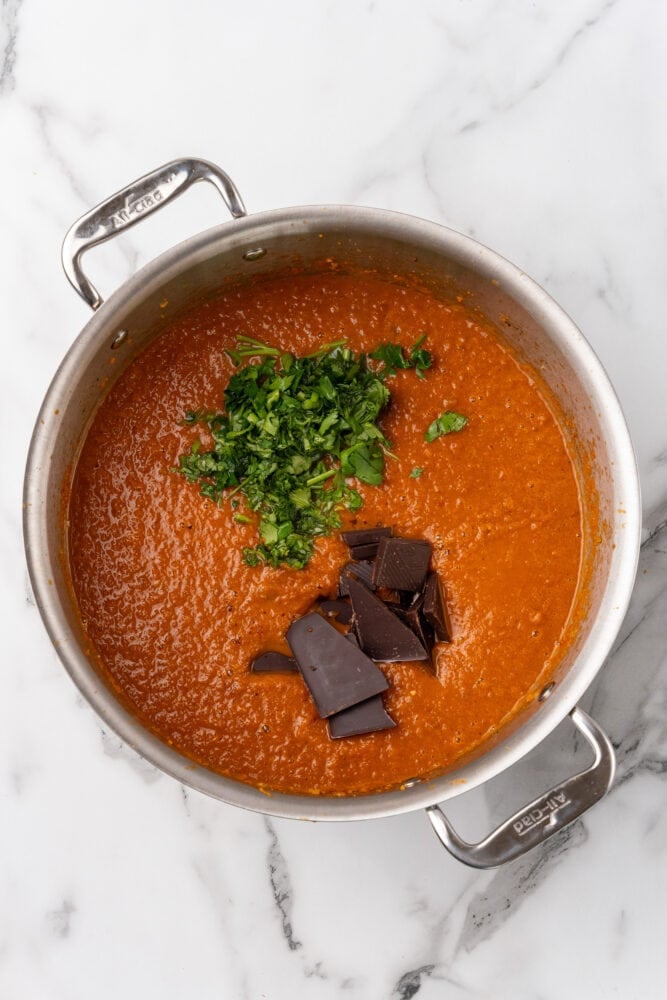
(394, 244)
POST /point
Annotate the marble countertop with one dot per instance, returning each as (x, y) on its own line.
(537, 128)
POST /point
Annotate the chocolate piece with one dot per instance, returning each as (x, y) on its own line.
(369, 716)
(435, 610)
(401, 563)
(379, 631)
(368, 551)
(364, 536)
(412, 616)
(364, 570)
(273, 663)
(340, 610)
(337, 674)
(364, 542)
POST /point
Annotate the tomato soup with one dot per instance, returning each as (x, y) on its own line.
(174, 616)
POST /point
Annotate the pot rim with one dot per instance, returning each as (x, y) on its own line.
(558, 326)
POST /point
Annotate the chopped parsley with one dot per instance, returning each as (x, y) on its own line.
(416, 472)
(395, 359)
(447, 423)
(293, 433)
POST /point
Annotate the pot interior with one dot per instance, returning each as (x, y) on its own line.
(396, 248)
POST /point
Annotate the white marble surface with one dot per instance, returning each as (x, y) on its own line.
(540, 129)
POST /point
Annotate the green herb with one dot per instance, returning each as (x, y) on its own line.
(447, 423)
(416, 473)
(294, 431)
(394, 358)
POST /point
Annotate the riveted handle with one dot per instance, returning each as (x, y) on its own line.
(543, 817)
(131, 205)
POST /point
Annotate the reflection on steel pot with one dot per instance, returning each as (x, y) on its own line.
(444, 261)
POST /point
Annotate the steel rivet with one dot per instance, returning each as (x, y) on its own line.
(119, 339)
(254, 254)
(546, 692)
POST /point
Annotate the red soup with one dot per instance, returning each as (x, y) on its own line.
(174, 616)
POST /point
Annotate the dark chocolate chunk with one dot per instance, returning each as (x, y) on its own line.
(369, 716)
(379, 631)
(364, 570)
(434, 608)
(401, 563)
(340, 610)
(364, 536)
(413, 617)
(368, 551)
(273, 663)
(338, 674)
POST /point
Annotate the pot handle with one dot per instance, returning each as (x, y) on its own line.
(130, 205)
(544, 816)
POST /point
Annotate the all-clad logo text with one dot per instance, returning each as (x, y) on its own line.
(138, 207)
(541, 813)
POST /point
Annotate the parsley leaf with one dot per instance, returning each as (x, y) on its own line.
(416, 472)
(447, 423)
(394, 358)
(293, 432)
